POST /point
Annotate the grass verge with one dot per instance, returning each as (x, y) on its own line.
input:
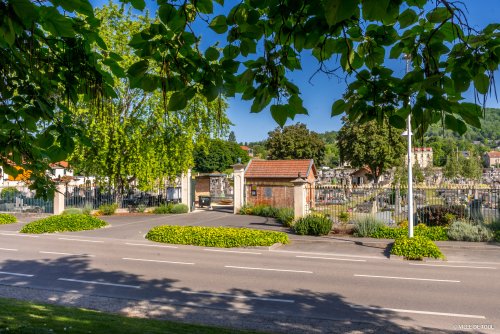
(27, 317)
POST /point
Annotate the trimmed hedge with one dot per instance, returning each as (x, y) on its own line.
(313, 224)
(440, 215)
(171, 208)
(108, 209)
(60, 223)
(284, 216)
(416, 248)
(179, 208)
(436, 233)
(72, 211)
(367, 226)
(6, 218)
(215, 236)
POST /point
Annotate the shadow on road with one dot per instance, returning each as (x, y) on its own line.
(67, 280)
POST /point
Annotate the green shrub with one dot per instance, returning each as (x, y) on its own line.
(6, 218)
(246, 209)
(366, 226)
(466, 231)
(108, 209)
(440, 215)
(179, 208)
(215, 236)
(9, 193)
(436, 233)
(62, 223)
(72, 211)
(416, 248)
(285, 216)
(264, 211)
(313, 224)
(163, 209)
(141, 208)
(87, 209)
(497, 236)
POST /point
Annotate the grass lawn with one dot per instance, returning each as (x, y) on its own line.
(27, 317)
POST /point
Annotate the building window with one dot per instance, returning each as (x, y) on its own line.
(268, 192)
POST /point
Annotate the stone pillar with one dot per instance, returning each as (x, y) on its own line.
(59, 199)
(239, 187)
(299, 197)
(186, 189)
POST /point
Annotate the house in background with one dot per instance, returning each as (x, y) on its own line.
(492, 159)
(248, 150)
(423, 156)
(268, 182)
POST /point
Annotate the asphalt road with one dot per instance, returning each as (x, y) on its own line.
(305, 287)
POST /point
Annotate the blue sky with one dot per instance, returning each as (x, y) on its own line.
(320, 92)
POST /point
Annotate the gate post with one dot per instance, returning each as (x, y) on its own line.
(59, 199)
(186, 189)
(239, 187)
(299, 197)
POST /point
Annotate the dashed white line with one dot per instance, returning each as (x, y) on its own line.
(239, 296)
(159, 246)
(157, 261)
(69, 254)
(15, 274)
(448, 266)
(82, 240)
(9, 249)
(409, 278)
(328, 258)
(457, 315)
(98, 283)
(21, 235)
(271, 269)
(329, 254)
(230, 251)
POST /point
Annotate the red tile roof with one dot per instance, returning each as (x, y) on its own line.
(61, 164)
(243, 147)
(280, 168)
(493, 154)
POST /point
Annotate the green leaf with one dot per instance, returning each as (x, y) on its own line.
(461, 79)
(177, 102)
(45, 140)
(212, 54)
(481, 82)
(450, 122)
(374, 10)
(338, 107)
(26, 10)
(138, 4)
(205, 6)
(407, 18)
(262, 99)
(138, 69)
(279, 113)
(219, 24)
(397, 121)
(340, 10)
(167, 13)
(55, 23)
(438, 15)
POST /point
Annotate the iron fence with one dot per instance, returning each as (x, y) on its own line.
(390, 204)
(21, 199)
(94, 197)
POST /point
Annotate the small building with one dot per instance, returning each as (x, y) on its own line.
(423, 156)
(268, 182)
(248, 150)
(492, 159)
(60, 170)
(361, 176)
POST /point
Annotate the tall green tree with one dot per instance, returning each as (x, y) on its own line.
(218, 156)
(459, 166)
(49, 52)
(232, 137)
(295, 142)
(135, 139)
(376, 145)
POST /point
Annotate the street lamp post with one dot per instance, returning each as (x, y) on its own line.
(410, 164)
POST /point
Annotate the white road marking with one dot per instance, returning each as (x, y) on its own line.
(158, 261)
(99, 283)
(70, 254)
(9, 249)
(329, 254)
(230, 251)
(410, 278)
(457, 315)
(448, 266)
(21, 235)
(15, 274)
(270, 269)
(238, 296)
(328, 258)
(159, 246)
(82, 240)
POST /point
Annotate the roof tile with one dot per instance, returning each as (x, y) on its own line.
(279, 168)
